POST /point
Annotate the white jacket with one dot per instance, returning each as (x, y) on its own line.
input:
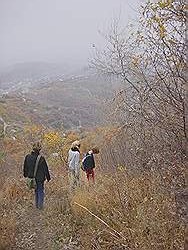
(73, 160)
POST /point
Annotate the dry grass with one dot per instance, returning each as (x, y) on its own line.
(136, 206)
(8, 196)
(13, 195)
(7, 231)
(139, 211)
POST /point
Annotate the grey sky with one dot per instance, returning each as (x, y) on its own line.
(56, 30)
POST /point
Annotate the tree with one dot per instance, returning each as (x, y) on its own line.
(151, 62)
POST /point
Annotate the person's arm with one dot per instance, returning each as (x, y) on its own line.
(47, 174)
(69, 157)
(93, 160)
(25, 168)
(77, 160)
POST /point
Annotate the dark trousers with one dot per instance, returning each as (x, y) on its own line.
(39, 195)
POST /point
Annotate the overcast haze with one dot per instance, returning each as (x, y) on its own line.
(57, 31)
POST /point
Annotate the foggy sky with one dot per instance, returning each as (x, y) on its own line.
(58, 31)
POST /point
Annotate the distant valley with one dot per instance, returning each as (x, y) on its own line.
(58, 96)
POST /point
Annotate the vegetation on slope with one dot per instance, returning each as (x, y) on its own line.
(139, 199)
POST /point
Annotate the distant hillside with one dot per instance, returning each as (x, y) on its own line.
(69, 99)
(77, 101)
(16, 113)
(27, 73)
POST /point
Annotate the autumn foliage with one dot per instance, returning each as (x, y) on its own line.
(139, 199)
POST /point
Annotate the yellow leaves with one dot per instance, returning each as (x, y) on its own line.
(169, 2)
(180, 64)
(136, 60)
(165, 3)
(52, 138)
(158, 16)
(156, 19)
(121, 168)
(162, 31)
(56, 143)
(53, 142)
(161, 27)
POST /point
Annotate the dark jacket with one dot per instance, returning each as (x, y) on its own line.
(29, 165)
(89, 162)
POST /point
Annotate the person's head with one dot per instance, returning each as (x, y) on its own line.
(95, 150)
(75, 144)
(37, 146)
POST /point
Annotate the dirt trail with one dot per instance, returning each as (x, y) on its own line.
(32, 231)
(36, 229)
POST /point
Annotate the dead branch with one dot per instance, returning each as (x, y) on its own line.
(103, 222)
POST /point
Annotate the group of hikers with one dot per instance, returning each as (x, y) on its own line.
(36, 169)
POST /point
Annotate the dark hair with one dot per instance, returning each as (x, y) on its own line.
(37, 146)
(95, 150)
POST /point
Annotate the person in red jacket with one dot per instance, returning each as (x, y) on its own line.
(88, 164)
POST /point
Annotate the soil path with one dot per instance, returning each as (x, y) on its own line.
(32, 231)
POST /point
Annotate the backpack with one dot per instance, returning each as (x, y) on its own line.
(86, 162)
(31, 182)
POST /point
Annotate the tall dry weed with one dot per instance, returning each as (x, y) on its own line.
(138, 207)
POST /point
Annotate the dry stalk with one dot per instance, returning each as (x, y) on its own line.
(102, 221)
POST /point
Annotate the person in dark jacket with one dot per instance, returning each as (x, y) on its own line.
(42, 173)
(89, 163)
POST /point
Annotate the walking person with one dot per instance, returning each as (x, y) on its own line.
(35, 166)
(73, 164)
(88, 164)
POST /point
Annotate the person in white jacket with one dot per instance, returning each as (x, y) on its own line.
(74, 165)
